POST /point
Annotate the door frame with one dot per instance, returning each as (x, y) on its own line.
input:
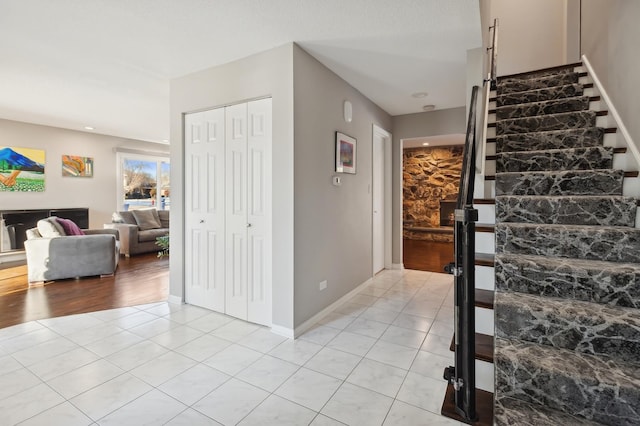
(388, 176)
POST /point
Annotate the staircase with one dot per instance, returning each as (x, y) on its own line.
(567, 263)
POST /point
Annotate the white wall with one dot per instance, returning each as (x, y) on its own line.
(440, 122)
(610, 36)
(533, 34)
(265, 74)
(98, 193)
(333, 225)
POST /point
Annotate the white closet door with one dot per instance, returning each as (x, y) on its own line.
(259, 256)
(204, 209)
(236, 210)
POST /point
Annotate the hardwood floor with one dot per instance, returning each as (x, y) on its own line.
(138, 280)
(429, 256)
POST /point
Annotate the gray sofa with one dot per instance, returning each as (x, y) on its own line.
(134, 238)
(59, 257)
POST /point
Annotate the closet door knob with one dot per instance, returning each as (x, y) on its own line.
(248, 225)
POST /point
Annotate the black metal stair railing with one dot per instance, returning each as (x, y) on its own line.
(463, 375)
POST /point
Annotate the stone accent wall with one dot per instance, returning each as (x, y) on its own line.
(429, 175)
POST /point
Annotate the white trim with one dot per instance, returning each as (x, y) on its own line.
(398, 266)
(388, 193)
(13, 256)
(282, 331)
(317, 317)
(176, 300)
(612, 110)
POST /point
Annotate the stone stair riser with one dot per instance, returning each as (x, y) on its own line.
(564, 159)
(555, 106)
(563, 121)
(611, 244)
(601, 182)
(507, 86)
(585, 210)
(613, 284)
(582, 385)
(546, 94)
(556, 139)
(578, 326)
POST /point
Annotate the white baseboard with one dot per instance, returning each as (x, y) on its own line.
(317, 317)
(14, 256)
(283, 331)
(176, 300)
(399, 266)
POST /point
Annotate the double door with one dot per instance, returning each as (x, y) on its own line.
(228, 210)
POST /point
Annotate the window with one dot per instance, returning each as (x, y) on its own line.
(145, 182)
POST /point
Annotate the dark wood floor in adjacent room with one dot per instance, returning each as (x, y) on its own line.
(138, 280)
(429, 256)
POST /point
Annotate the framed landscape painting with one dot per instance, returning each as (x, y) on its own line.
(73, 165)
(21, 169)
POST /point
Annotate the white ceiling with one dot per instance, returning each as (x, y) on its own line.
(108, 63)
(432, 141)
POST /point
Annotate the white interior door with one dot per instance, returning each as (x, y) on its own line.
(204, 209)
(236, 210)
(378, 202)
(259, 257)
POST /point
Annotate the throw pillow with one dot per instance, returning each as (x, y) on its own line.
(50, 228)
(69, 226)
(117, 218)
(147, 219)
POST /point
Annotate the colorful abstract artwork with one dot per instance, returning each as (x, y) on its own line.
(345, 153)
(21, 169)
(73, 165)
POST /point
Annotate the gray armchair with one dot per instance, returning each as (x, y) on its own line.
(60, 257)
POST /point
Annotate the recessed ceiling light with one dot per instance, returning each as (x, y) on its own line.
(89, 128)
(425, 144)
(420, 95)
(428, 107)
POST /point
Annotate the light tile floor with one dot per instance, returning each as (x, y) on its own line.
(377, 360)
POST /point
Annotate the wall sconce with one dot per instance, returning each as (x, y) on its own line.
(348, 111)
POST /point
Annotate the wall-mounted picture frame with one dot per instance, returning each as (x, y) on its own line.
(76, 166)
(21, 169)
(345, 153)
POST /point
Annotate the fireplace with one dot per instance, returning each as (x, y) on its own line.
(447, 212)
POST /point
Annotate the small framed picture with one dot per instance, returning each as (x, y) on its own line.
(76, 166)
(345, 153)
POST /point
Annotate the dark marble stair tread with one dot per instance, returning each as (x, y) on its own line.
(585, 327)
(484, 407)
(590, 158)
(485, 201)
(484, 259)
(485, 227)
(604, 210)
(554, 70)
(598, 388)
(571, 182)
(545, 107)
(550, 139)
(546, 93)
(511, 412)
(540, 123)
(484, 298)
(484, 347)
(609, 283)
(607, 243)
(506, 86)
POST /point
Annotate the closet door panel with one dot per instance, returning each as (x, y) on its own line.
(259, 211)
(236, 210)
